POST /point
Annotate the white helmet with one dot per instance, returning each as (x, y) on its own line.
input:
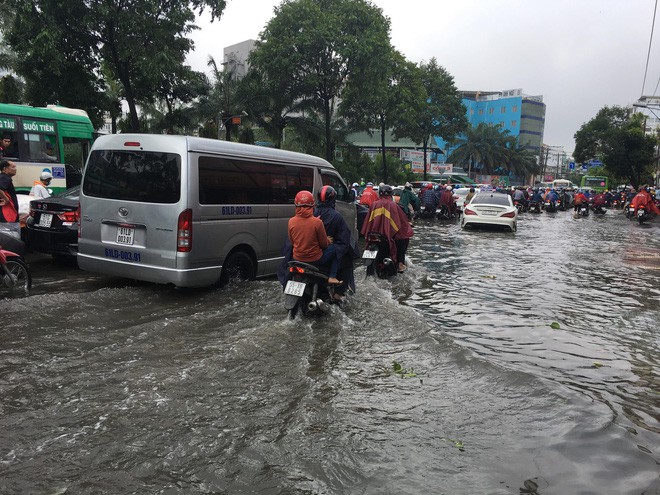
(46, 176)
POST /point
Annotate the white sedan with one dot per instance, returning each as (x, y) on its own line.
(490, 209)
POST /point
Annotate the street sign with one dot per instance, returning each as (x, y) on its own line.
(571, 166)
(585, 167)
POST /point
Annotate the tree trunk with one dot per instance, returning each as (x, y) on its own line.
(382, 148)
(328, 131)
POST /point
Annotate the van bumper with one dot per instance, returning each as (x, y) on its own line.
(190, 277)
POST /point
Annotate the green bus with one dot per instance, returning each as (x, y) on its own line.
(54, 139)
(597, 183)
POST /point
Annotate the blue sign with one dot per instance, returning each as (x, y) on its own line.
(58, 172)
(595, 163)
(584, 167)
(571, 166)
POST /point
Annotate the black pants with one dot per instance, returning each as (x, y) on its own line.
(401, 250)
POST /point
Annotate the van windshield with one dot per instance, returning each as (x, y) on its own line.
(143, 176)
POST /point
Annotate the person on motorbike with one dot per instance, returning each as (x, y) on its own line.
(40, 187)
(386, 218)
(446, 197)
(429, 199)
(644, 199)
(537, 197)
(409, 200)
(580, 199)
(599, 201)
(309, 239)
(469, 195)
(369, 195)
(346, 248)
(551, 196)
(519, 195)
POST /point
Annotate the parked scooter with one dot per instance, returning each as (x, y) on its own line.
(377, 258)
(307, 290)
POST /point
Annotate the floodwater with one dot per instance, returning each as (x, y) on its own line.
(527, 363)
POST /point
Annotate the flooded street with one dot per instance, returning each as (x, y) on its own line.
(528, 364)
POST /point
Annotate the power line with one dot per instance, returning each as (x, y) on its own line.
(648, 56)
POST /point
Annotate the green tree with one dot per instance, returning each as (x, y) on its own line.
(140, 41)
(484, 147)
(618, 140)
(439, 112)
(389, 104)
(314, 49)
(591, 138)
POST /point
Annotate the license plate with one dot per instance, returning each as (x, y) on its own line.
(369, 255)
(294, 288)
(45, 220)
(125, 235)
(490, 213)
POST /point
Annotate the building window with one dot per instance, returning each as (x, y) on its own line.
(514, 123)
(491, 111)
(471, 111)
(481, 111)
(503, 110)
(502, 124)
(515, 108)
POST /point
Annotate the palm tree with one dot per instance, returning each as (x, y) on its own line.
(484, 147)
(523, 162)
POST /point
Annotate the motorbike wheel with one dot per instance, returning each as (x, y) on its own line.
(19, 279)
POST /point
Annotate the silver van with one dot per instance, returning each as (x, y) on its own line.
(191, 211)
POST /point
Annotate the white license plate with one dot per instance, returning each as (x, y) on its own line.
(294, 288)
(45, 220)
(490, 213)
(125, 235)
(369, 255)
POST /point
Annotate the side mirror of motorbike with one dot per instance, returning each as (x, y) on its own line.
(352, 195)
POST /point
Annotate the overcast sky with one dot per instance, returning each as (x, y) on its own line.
(580, 55)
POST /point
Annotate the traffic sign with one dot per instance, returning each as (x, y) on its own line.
(571, 166)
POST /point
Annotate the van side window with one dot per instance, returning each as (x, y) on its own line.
(335, 181)
(142, 176)
(231, 181)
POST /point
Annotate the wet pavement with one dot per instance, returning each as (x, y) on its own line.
(526, 363)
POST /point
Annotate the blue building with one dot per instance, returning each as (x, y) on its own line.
(522, 115)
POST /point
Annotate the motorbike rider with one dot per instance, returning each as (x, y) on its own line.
(551, 196)
(537, 197)
(409, 200)
(446, 197)
(469, 195)
(429, 199)
(599, 201)
(580, 199)
(369, 195)
(39, 189)
(519, 195)
(346, 248)
(386, 218)
(644, 199)
(309, 239)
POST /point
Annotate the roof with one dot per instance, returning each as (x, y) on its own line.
(364, 140)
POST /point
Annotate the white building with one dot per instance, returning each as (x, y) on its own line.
(236, 58)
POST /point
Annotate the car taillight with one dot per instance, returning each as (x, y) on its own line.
(184, 232)
(68, 216)
(468, 211)
(511, 214)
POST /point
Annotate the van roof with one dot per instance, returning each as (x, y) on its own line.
(214, 146)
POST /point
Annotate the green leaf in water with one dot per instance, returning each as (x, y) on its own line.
(554, 325)
(597, 364)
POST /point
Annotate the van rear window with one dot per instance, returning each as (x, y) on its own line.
(227, 181)
(143, 176)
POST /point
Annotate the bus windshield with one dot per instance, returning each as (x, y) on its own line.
(596, 183)
(52, 139)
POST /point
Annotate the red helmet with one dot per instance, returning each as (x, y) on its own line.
(327, 193)
(304, 199)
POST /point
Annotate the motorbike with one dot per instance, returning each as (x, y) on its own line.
(599, 210)
(534, 207)
(520, 206)
(583, 210)
(426, 211)
(550, 206)
(629, 212)
(307, 290)
(642, 215)
(443, 213)
(15, 275)
(377, 258)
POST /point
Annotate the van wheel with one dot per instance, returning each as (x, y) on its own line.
(238, 266)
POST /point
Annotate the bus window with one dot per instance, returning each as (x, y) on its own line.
(40, 148)
(75, 151)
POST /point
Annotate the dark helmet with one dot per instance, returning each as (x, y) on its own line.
(385, 190)
(304, 199)
(326, 193)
